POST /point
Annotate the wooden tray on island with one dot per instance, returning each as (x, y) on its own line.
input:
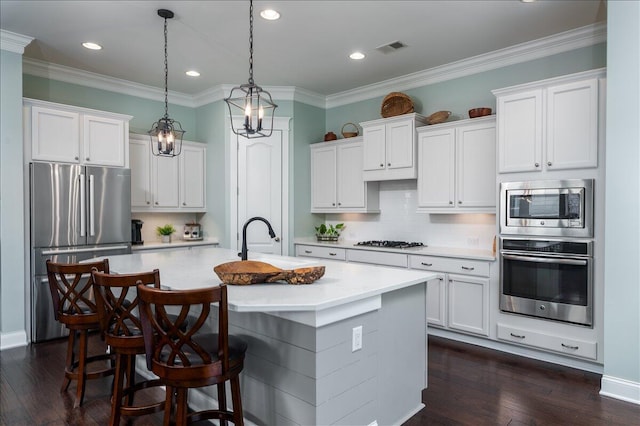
(245, 272)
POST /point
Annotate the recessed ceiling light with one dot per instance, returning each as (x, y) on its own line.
(193, 73)
(92, 46)
(357, 55)
(270, 14)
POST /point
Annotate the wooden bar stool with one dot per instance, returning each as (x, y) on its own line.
(183, 358)
(74, 306)
(117, 302)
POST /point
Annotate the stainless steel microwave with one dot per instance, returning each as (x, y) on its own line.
(562, 208)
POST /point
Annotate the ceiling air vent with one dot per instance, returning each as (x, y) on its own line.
(391, 47)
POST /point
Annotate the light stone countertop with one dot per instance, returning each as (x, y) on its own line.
(175, 243)
(462, 253)
(342, 284)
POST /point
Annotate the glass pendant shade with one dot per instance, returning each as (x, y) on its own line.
(166, 133)
(251, 102)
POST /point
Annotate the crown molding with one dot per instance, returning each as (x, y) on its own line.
(547, 46)
(536, 49)
(14, 42)
(98, 81)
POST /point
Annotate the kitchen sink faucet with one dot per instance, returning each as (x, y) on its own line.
(243, 253)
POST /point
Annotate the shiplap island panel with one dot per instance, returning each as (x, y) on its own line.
(300, 367)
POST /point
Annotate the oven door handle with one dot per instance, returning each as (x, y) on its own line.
(562, 261)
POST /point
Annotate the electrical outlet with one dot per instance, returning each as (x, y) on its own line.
(356, 339)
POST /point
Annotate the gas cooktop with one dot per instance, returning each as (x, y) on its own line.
(389, 244)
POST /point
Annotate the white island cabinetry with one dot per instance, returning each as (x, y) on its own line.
(337, 184)
(457, 167)
(299, 337)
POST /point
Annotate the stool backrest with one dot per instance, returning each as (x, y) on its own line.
(168, 343)
(117, 300)
(71, 287)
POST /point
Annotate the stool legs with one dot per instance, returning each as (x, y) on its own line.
(238, 419)
(222, 401)
(68, 367)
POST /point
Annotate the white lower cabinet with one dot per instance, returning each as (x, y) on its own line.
(551, 342)
(321, 252)
(378, 258)
(455, 301)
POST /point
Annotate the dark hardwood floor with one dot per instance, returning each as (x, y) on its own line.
(468, 385)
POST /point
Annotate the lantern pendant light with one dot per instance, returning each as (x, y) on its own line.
(251, 101)
(166, 133)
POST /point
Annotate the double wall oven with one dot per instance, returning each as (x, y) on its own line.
(546, 249)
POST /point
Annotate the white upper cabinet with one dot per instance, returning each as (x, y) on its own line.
(549, 125)
(457, 167)
(167, 184)
(337, 184)
(389, 151)
(68, 134)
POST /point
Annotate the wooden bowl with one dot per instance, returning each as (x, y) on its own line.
(245, 272)
(438, 117)
(479, 112)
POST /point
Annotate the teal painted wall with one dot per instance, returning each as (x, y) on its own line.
(13, 277)
(622, 244)
(461, 94)
(145, 112)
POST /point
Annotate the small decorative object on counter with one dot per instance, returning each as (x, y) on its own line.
(165, 232)
(479, 112)
(330, 137)
(329, 233)
(350, 134)
(438, 117)
(396, 103)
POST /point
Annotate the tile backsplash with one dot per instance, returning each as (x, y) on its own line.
(398, 220)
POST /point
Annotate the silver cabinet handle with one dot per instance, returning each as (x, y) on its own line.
(184, 204)
(332, 254)
(570, 347)
(88, 159)
(459, 201)
(339, 204)
(468, 268)
(537, 164)
(450, 202)
(548, 163)
(156, 203)
(426, 264)
(308, 251)
(517, 336)
(148, 202)
(381, 165)
(277, 239)
(389, 164)
(77, 158)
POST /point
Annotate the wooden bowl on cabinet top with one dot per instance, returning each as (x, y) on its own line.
(479, 112)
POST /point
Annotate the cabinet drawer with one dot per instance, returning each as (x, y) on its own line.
(322, 252)
(450, 265)
(378, 258)
(579, 348)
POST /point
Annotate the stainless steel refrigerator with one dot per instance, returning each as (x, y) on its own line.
(77, 213)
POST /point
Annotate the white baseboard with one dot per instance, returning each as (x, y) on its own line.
(13, 340)
(622, 389)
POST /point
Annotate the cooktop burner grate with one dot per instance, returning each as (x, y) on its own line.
(389, 244)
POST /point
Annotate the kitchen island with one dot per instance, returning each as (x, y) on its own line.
(300, 367)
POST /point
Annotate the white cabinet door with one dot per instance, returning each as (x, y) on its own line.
(436, 170)
(140, 160)
(55, 135)
(468, 304)
(323, 177)
(164, 181)
(192, 176)
(572, 125)
(350, 184)
(103, 141)
(437, 301)
(476, 165)
(400, 144)
(374, 147)
(520, 132)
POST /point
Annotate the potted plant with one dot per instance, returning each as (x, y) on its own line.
(329, 233)
(165, 232)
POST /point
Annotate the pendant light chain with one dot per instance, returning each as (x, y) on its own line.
(251, 42)
(166, 73)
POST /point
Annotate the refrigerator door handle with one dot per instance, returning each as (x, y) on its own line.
(83, 250)
(83, 206)
(92, 228)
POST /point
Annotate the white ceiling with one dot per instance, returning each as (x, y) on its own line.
(307, 48)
